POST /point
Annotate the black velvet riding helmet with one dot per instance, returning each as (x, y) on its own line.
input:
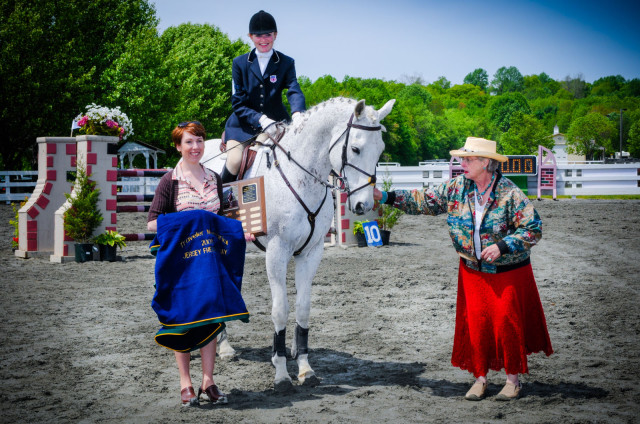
(262, 23)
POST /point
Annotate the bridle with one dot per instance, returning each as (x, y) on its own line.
(341, 176)
(343, 185)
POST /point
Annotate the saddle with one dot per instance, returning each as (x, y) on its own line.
(248, 157)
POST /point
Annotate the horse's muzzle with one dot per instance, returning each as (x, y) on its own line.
(359, 209)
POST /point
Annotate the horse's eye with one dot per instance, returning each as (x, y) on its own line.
(355, 150)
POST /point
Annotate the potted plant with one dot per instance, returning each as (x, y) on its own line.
(388, 215)
(108, 242)
(82, 216)
(358, 231)
(15, 224)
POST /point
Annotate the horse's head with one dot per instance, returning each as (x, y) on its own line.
(357, 154)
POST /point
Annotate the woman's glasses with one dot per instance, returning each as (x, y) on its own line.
(184, 124)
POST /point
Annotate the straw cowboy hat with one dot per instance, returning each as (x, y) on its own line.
(475, 146)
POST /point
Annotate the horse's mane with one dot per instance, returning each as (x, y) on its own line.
(320, 106)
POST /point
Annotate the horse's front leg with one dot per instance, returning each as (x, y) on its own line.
(276, 263)
(306, 267)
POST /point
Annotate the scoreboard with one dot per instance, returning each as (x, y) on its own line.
(519, 165)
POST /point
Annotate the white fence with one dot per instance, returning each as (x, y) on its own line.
(138, 185)
(572, 179)
(16, 185)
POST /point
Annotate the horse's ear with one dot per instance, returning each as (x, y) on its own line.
(359, 108)
(384, 111)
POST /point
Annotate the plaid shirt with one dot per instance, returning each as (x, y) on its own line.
(509, 219)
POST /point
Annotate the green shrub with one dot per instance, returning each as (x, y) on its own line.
(83, 216)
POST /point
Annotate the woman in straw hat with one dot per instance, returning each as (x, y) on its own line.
(493, 225)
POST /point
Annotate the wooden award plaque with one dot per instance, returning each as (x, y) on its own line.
(244, 200)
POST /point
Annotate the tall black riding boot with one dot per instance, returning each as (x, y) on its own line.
(227, 176)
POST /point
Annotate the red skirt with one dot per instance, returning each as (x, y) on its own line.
(499, 321)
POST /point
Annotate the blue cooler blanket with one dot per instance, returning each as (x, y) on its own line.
(199, 266)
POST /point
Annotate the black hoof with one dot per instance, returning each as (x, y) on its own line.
(283, 386)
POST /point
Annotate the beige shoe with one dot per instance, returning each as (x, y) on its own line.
(476, 392)
(509, 391)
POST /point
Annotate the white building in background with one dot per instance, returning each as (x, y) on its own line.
(560, 148)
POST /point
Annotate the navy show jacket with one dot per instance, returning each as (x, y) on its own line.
(255, 94)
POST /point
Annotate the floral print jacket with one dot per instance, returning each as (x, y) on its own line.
(509, 220)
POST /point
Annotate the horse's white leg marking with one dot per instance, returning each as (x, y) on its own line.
(224, 347)
(276, 262)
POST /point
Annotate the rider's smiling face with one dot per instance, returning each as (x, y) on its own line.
(263, 42)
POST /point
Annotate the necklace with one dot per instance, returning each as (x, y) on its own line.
(493, 177)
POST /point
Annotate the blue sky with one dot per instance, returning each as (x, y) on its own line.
(395, 39)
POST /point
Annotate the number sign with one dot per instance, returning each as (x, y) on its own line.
(372, 233)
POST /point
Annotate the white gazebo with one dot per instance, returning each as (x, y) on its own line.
(133, 148)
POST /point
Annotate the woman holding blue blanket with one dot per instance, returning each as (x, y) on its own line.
(199, 263)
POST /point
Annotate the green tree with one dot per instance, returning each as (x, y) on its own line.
(440, 85)
(632, 88)
(524, 136)
(373, 90)
(138, 81)
(576, 86)
(503, 107)
(633, 142)
(507, 80)
(588, 133)
(83, 215)
(413, 101)
(466, 96)
(199, 59)
(451, 131)
(479, 78)
(607, 85)
(52, 55)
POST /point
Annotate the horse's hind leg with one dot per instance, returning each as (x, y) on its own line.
(306, 267)
(276, 263)
(224, 347)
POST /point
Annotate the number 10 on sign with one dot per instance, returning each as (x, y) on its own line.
(372, 233)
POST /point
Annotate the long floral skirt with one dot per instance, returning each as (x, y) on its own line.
(499, 321)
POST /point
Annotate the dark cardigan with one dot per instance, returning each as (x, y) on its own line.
(165, 198)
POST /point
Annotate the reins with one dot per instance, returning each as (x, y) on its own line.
(242, 143)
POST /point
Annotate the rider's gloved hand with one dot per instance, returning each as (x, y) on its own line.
(296, 117)
(268, 125)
